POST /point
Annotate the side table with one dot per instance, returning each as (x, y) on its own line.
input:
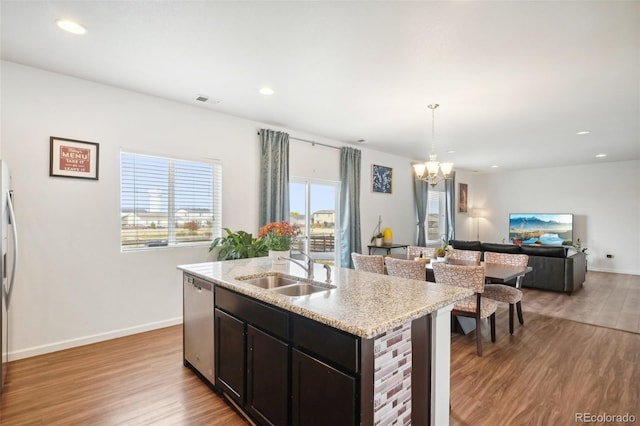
(387, 247)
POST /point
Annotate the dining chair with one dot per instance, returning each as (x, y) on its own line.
(470, 255)
(368, 263)
(406, 269)
(504, 292)
(476, 306)
(415, 251)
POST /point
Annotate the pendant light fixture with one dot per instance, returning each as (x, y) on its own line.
(433, 171)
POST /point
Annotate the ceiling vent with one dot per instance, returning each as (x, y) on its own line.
(205, 99)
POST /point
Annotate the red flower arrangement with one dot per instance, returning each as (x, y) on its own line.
(278, 235)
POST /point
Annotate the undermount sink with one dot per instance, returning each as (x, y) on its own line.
(270, 281)
(287, 285)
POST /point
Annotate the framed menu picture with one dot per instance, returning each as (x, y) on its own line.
(74, 159)
(381, 179)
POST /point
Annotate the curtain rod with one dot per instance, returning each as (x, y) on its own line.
(313, 143)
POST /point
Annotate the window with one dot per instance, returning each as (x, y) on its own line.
(436, 215)
(312, 208)
(168, 202)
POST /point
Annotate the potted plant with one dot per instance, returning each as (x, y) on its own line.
(238, 245)
(377, 238)
(444, 250)
(578, 246)
(277, 237)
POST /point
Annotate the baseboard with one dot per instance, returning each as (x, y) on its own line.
(86, 340)
(613, 271)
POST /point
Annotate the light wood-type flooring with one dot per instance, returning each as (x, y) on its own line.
(548, 371)
(608, 300)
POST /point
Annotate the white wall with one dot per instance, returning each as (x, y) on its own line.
(74, 286)
(604, 198)
(397, 210)
(466, 225)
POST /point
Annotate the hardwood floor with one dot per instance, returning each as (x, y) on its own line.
(134, 380)
(549, 370)
(557, 364)
(608, 300)
(544, 374)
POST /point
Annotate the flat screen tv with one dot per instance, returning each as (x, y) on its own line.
(541, 228)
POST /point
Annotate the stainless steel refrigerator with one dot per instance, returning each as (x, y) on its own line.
(8, 261)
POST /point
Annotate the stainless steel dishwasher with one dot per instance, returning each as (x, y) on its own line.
(198, 326)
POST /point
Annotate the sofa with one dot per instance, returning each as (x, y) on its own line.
(556, 268)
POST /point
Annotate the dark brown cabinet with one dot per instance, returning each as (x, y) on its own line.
(267, 378)
(252, 360)
(283, 369)
(230, 355)
(321, 395)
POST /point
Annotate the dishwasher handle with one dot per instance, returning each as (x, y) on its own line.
(199, 284)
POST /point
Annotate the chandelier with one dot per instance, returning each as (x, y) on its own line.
(432, 171)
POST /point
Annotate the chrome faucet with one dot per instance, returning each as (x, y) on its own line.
(308, 269)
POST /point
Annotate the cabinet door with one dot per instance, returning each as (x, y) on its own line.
(267, 378)
(321, 395)
(230, 355)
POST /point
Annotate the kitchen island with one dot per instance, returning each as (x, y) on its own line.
(371, 349)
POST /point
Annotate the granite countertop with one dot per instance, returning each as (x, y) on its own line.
(363, 303)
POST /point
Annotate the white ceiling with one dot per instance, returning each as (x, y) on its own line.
(515, 80)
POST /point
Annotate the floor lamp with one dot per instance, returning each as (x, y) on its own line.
(478, 213)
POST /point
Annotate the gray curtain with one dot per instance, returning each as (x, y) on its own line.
(274, 177)
(421, 192)
(350, 239)
(450, 196)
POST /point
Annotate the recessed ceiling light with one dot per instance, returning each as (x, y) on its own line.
(267, 91)
(451, 151)
(495, 166)
(583, 132)
(601, 155)
(71, 27)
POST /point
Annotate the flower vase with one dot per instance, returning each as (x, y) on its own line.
(387, 236)
(277, 256)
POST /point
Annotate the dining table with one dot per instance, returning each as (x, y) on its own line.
(494, 272)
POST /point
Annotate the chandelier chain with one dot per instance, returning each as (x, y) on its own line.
(433, 107)
(433, 131)
(433, 171)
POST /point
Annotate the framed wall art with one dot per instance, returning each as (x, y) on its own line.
(74, 159)
(462, 198)
(381, 179)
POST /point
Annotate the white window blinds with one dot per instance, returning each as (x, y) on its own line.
(168, 202)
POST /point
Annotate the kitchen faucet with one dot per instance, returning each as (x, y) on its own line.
(308, 269)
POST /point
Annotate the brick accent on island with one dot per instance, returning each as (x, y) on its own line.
(392, 377)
